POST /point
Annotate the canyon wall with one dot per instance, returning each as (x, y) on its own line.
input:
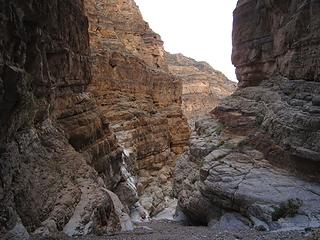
(202, 86)
(255, 161)
(284, 42)
(91, 121)
(58, 154)
(138, 96)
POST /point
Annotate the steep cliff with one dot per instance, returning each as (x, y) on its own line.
(284, 41)
(138, 96)
(258, 154)
(49, 124)
(85, 126)
(202, 86)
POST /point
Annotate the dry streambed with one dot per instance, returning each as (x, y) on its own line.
(161, 230)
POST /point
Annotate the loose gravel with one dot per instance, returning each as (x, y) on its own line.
(176, 231)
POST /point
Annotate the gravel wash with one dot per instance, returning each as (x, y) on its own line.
(176, 231)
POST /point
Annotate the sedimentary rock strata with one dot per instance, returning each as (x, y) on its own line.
(50, 179)
(284, 41)
(138, 97)
(202, 86)
(85, 126)
(258, 154)
(91, 121)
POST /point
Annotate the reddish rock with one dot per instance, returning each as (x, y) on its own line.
(202, 86)
(136, 94)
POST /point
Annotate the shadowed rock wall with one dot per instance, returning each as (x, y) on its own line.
(91, 120)
(284, 40)
(258, 154)
(49, 122)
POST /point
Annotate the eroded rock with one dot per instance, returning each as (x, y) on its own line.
(202, 86)
(258, 153)
(82, 105)
(138, 97)
(235, 176)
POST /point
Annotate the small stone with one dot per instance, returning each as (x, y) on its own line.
(316, 100)
(232, 222)
(163, 178)
(19, 232)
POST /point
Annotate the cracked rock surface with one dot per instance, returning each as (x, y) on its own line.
(232, 177)
(89, 117)
(258, 153)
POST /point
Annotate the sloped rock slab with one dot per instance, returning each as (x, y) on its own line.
(252, 186)
(237, 178)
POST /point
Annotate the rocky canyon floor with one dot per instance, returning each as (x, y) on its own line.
(96, 125)
(166, 230)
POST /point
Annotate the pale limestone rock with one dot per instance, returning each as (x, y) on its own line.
(231, 222)
(260, 154)
(124, 219)
(18, 232)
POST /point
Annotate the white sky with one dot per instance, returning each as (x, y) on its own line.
(200, 29)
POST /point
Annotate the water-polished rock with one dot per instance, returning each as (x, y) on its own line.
(258, 153)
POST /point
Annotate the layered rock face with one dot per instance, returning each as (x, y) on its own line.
(255, 161)
(53, 175)
(77, 125)
(284, 41)
(138, 96)
(202, 86)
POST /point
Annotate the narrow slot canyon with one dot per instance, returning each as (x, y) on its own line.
(107, 135)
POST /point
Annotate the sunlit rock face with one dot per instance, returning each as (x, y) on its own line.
(139, 98)
(202, 86)
(258, 154)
